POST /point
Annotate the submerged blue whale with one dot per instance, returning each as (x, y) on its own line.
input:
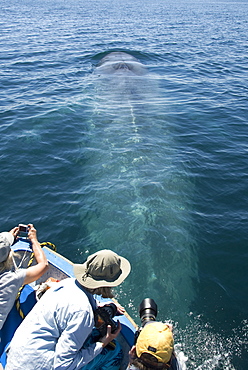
(123, 80)
(119, 62)
(136, 192)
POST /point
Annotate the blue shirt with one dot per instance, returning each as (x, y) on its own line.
(53, 333)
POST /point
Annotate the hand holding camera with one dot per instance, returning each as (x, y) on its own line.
(15, 232)
(107, 327)
(110, 335)
(105, 316)
(27, 231)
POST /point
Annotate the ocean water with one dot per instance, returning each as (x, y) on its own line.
(153, 166)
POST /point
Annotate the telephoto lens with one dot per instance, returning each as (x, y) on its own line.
(147, 311)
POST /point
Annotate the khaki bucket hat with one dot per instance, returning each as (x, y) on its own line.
(102, 269)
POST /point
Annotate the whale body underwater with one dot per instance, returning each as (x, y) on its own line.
(123, 79)
(121, 63)
(136, 193)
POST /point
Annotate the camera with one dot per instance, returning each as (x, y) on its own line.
(148, 312)
(23, 230)
(105, 316)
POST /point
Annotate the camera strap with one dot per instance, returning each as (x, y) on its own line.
(91, 299)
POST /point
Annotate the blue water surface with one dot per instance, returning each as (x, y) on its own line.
(153, 167)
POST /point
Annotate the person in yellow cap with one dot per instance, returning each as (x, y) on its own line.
(154, 348)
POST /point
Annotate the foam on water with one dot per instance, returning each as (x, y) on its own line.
(200, 347)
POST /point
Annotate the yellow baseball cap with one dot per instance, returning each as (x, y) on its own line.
(156, 338)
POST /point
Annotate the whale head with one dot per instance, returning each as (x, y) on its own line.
(120, 63)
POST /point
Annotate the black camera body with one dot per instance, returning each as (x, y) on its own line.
(105, 316)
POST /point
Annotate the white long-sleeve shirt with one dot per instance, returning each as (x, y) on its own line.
(10, 282)
(53, 333)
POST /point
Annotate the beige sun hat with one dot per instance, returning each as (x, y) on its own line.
(102, 269)
(6, 240)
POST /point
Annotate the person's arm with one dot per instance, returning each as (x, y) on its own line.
(70, 353)
(14, 232)
(35, 272)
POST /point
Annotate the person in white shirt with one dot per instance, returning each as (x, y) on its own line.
(54, 334)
